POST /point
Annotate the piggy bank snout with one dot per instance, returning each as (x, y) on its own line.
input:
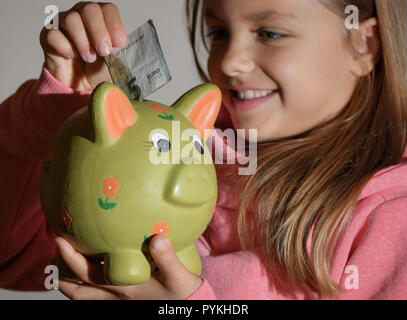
(190, 185)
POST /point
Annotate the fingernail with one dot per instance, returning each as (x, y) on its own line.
(118, 40)
(91, 57)
(160, 244)
(104, 49)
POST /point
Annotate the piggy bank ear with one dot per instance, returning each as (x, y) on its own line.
(111, 113)
(201, 106)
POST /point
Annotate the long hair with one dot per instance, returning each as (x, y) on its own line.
(308, 184)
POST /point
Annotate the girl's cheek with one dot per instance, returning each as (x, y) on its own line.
(214, 68)
(295, 67)
(282, 68)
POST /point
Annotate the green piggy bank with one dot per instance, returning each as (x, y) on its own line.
(119, 172)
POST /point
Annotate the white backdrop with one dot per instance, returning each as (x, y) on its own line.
(21, 56)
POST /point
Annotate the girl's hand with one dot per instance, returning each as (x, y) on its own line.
(73, 54)
(173, 282)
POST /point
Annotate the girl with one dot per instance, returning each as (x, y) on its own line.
(325, 213)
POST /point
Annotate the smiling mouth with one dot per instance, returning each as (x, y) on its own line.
(251, 94)
(248, 99)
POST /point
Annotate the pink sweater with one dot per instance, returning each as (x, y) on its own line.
(369, 263)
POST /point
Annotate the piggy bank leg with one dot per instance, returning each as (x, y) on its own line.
(191, 259)
(126, 267)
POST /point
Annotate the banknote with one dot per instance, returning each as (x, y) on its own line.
(139, 68)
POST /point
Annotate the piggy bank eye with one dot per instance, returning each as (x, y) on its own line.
(161, 142)
(198, 145)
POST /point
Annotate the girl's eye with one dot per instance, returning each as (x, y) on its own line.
(270, 35)
(217, 34)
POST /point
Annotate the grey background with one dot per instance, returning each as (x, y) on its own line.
(21, 56)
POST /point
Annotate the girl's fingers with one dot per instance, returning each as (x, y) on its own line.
(85, 292)
(79, 264)
(54, 41)
(88, 29)
(174, 275)
(114, 25)
(91, 288)
(83, 269)
(73, 24)
(92, 16)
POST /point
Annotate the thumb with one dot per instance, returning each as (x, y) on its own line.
(171, 268)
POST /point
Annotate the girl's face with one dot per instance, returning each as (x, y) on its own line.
(283, 66)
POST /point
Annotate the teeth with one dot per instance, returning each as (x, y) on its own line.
(250, 94)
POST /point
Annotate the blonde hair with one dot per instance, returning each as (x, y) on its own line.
(311, 181)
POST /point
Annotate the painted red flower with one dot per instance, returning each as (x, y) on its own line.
(65, 218)
(158, 108)
(161, 228)
(110, 187)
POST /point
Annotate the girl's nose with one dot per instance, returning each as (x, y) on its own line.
(237, 60)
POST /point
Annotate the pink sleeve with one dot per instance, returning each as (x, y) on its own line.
(238, 275)
(377, 266)
(205, 291)
(28, 121)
